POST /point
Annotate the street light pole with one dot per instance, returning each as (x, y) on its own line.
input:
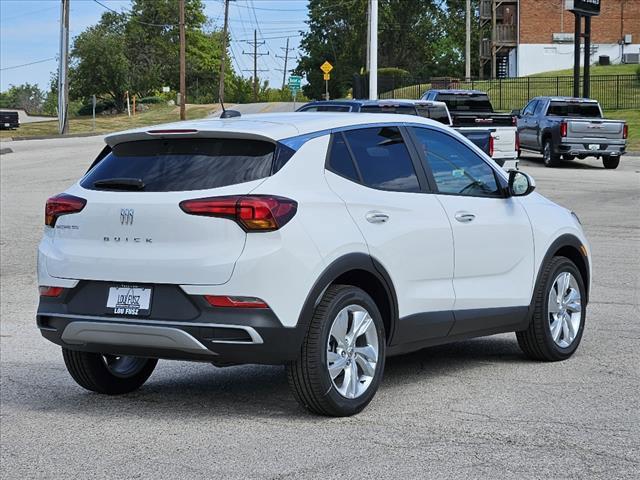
(63, 70)
(373, 51)
(183, 86)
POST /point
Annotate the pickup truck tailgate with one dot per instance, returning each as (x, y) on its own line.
(595, 129)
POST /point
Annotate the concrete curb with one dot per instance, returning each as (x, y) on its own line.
(51, 137)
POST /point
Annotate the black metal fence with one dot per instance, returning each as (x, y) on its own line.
(612, 91)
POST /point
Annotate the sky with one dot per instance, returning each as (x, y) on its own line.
(30, 29)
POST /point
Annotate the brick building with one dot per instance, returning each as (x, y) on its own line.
(522, 37)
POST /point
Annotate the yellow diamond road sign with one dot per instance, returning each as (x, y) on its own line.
(326, 67)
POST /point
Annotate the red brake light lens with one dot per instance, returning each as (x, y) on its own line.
(234, 302)
(517, 142)
(62, 204)
(625, 131)
(491, 143)
(254, 213)
(51, 291)
(563, 129)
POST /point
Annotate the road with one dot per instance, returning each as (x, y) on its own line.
(475, 409)
(24, 117)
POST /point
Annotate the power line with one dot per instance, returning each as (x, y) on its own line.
(28, 64)
(132, 18)
(255, 54)
(24, 14)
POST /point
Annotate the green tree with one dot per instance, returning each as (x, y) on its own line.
(99, 62)
(26, 96)
(424, 37)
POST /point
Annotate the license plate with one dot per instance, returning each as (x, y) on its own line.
(6, 125)
(593, 146)
(129, 300)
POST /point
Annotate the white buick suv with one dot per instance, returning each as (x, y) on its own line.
(325, 242)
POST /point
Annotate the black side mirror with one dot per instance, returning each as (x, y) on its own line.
(520, 183)
(516, 113)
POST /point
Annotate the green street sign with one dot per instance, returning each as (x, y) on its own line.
(294, 82)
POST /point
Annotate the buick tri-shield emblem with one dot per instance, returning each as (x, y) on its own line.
(126, 216)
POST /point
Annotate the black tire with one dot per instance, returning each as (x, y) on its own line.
(309, 377)
(536, 341)
(550, 159)
(610, 163)
(90, 371)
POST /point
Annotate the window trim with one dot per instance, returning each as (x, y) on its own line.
(422, 180)
(429, 172)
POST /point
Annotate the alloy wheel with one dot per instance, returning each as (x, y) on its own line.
(352, 351)
(564, 309)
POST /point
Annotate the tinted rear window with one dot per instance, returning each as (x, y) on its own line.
(185, 164)
(471, 103)
(327, 108)
(439, 114)
(340, 160)
(563, 109)
(402, 110)
(383, 159)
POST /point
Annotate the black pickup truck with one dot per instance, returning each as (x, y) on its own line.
(563, 128)
(9, 120)
(470, 108)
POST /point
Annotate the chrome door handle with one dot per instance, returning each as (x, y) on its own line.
(376, 217)
(464, 217)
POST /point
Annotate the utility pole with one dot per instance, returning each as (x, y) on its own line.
(286, 58)
(183, 86)
(373, 42)
(224, 50)
(467, 46)
(576, 55)
(63, 70)
(255, 54)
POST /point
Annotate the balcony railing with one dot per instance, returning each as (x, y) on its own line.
(505, 34)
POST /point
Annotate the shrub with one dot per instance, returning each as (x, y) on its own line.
(101, 106)
(151, 100)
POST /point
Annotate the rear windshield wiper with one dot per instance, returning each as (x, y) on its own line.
(120, 183)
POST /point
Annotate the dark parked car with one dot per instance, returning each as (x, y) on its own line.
(9, 120)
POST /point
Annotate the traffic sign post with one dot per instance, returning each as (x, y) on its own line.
(294, 86)
(326, 67)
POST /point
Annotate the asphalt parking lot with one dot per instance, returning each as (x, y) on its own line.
(476, 409)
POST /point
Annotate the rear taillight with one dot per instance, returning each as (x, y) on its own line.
(625, 131)
(514, 121)
(63, 204)
(563, 129)
(51, 291)
(254, 213)
(517, 142)
(234, 302)
(491, 141)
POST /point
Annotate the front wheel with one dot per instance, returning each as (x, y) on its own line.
(559, 310)
(610, 163)
(108, 374)
(342, 359)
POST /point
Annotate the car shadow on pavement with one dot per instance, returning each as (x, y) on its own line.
(576, 164)
(183, 389)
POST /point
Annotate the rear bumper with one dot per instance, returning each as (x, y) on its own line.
(604, 149)
(189, 329)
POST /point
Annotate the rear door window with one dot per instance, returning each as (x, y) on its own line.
(383, 159)
(183, 164)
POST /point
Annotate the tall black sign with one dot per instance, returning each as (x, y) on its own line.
(584, 7)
